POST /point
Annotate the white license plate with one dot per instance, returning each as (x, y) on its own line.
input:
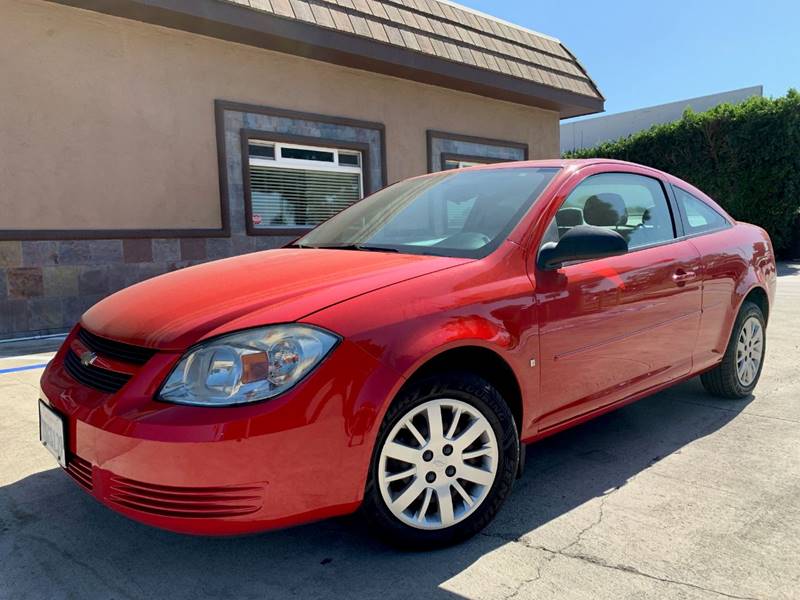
(51, 432)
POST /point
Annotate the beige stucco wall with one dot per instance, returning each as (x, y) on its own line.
(107, 123)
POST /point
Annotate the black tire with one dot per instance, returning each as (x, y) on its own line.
(485, 398)
(722, 380)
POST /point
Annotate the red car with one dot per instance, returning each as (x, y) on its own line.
(398, 357)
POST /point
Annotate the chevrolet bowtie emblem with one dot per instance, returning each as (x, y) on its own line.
(88, 358)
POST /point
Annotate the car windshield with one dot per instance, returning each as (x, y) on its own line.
(457, 213)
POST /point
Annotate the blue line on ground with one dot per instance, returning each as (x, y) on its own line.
(25, 368)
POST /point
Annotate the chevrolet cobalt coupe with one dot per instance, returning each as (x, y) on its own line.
(398, 357)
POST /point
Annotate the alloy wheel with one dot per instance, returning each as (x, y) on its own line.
(749, 351)
(438, 464)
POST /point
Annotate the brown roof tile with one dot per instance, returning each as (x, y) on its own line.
(378, 31)
(410, 39)
(264, 5)
(342, 20)
(395, 37)
(302, 10)
(322, 15)
(378, 9)
(360, 25)
(444, 30)
(282, 7)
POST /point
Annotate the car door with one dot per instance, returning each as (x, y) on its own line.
(723, 268)
(613, 327)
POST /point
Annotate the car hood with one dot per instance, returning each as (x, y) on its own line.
(176, 310)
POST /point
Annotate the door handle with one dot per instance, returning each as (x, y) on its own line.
(681, 277)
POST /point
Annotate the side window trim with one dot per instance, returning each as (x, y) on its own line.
(685, 220)
(678, 217)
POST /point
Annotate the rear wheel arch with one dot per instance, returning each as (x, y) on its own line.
(480, 361)
(737, 375)
(758, 296)
(755, 294)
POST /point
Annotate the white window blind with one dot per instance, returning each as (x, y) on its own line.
(450, 164)
(301, 186)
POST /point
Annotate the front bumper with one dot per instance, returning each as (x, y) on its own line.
(223, 471)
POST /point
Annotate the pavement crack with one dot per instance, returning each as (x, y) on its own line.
(599, 562)
(525, 582)
(578, 538)
(594, 560)
(588, 528)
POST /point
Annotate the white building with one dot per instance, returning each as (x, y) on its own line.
(587, 133)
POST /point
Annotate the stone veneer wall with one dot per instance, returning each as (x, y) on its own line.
(45, 286)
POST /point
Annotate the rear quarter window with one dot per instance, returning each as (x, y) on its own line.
(698, 217)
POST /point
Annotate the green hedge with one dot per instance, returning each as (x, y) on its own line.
(745, 156)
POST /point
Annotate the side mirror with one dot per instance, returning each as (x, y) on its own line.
(583, 242)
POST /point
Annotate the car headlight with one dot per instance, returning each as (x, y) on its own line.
(247, 366)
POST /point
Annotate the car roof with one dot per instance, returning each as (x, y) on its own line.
(562, 163)
(575, 164)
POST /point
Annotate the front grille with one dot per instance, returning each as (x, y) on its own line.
(81, 471)
(115, 350)
(187, 502)
(95, 377)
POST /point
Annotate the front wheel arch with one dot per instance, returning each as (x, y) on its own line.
(482, 362)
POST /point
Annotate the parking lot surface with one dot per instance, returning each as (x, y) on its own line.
(677, 496)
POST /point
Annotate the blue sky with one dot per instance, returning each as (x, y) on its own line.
(643, 53)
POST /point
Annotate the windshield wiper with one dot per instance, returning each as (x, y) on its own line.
(359, 247)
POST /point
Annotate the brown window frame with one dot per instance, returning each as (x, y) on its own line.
(471, 139)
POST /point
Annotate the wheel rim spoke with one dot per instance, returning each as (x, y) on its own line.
(463, 493)
(475, 475)
(401, 475)
(415, 432)
(445, 498)
(476, 453)
(425, 504)
(435, 423)
(472, 433)
(411, 493)
(401, 452)
(454, 425)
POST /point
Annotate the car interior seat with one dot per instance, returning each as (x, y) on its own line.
(567, 218)
(607, 210)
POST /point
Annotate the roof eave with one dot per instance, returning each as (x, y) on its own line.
(243, 25)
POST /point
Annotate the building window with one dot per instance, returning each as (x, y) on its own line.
(447, 151)
(455, 161)
(248, 133)
(451, 164)
(296, 186)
